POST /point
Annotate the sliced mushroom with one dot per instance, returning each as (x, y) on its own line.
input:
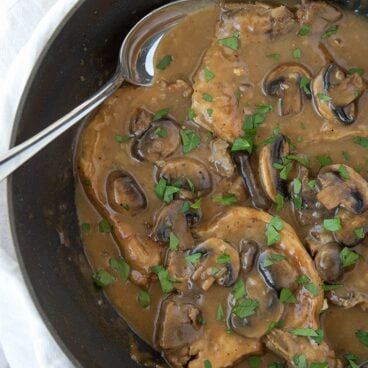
(349, 192)
(318, 236)
(312, 211)
(269, 176)
(219, 262)
(258, 198)
(171, 219)
(284, 82)
(192, 176)
(269, 310)
(178, 324)
(334, 94)
(278, 275)
(348, 235)
(328, 263)
(159, 142)
(237, 223)
(248, 255)
(124, 193)
(179, 269)
(140, 122)
(221, 158)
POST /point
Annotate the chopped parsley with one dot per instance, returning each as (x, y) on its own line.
(164, 191)
(238, 290)
(358, 71)
(164, 62)
(173, 242)
(223, 258)
(207, 364)
(161, 114)
(346, 155)
(207, 97)
(305, 85)
(197, 204)
(323, 97)
(86, 228)
(191, 114)
(164, 278)
(362, 336)
(273, 325)
(242, 144)
(121, 267)
(287, 296)
(274, 257)
(332, 224)
(210, 112)
(189, 139)
(330, 31)
(295, 195)
(280, 202)
(312, 184)
(307, 332)
(208, 75)
(161, 132)
(220, 314)
(245, 307)
(349, 257)
(361, 141)
(275, 56)
(343, 172)
(102, 278)
(122, 138)
(304, 29)
(359, 232)
(308, 284)
(104, 226)
(144, 299)
(330, 287)
(225, 200)
(254, 361)
(300, 361)
(324, 160)
(194, 258)
(297, 53)
(272, 230)
(238, 95)
(231, 42)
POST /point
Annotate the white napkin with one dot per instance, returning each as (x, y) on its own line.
(25, 27)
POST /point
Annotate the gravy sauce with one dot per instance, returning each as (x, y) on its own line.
(103, 149)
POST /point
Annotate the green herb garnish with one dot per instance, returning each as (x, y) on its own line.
(121, 267)
(164, 62)
(189, 139)
(104, 226)
(225, 200)
(144, 299)
(102, 278)
(161, 114)
(332, 224)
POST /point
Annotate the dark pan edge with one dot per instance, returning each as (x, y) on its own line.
(9, 185)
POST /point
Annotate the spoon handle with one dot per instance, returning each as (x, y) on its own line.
(18, 155)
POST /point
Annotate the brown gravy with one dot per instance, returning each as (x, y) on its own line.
(101, 152)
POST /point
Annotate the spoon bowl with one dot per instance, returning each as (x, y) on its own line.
(136, 66)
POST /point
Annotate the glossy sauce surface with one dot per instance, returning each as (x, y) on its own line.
(100, 154)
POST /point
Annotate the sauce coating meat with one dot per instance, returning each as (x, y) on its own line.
(224, 210)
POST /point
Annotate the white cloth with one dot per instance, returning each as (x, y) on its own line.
(25, 27)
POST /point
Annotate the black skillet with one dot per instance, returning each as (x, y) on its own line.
(79, 58)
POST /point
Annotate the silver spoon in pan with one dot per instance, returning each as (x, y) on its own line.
(135, 66)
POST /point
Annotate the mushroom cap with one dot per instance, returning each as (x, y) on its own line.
(159, 142)
(284, 82)
(350, 192)
(328, 263)
(269, 176)
(270, 309)
(350, 222)
(124, 193)
(171, 219)
(212, 267)
(334, 94)
(185, 170)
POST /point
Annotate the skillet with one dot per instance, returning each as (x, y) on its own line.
(79, 58)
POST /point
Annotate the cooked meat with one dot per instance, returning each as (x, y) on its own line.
(215, 101)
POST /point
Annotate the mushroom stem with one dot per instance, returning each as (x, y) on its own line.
(242, 159)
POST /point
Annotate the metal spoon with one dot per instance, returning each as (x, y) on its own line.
(135, 66)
